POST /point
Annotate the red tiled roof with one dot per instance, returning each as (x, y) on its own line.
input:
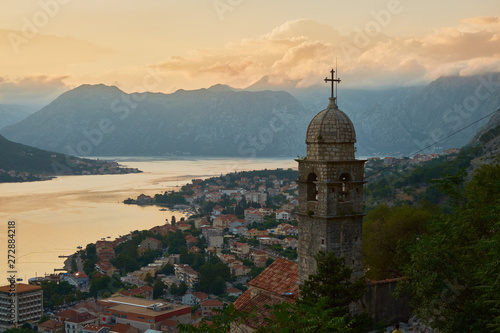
(247, 303)
(81, 317)
(80, 275)
(146, 288)
(20, 288)
(51, 324)
(233, 290)
(68, 313)
(200, 295)
(280, 277)
(120, 328)
(211, 302)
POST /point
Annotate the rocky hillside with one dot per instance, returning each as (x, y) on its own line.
(220, 121)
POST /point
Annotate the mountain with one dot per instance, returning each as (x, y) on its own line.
(20, 163)
(488, 137)
(22, 158)
(11, 114)
(403, 120)
(101, 120)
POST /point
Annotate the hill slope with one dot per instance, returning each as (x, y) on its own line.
(19, 162)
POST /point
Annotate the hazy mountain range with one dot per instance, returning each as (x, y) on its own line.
(11, 114)
(222, 121)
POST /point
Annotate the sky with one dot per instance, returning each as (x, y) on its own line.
(51, 46)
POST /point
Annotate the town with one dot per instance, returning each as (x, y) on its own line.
(179, 272)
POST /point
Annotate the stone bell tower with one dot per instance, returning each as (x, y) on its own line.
(330, 191)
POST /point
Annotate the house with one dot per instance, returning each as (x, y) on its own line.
(260, 262)
(252, 215)
(142, 199)
(149, 244)
(240, 230)
(190, 240)
(239, 270)
(208, 306)
(253, 233)
(65, 315)
(194, 298)
(105, 268)
(76, 323)
(283, 215)
(194, 250)
(211, 231)
(216, 241)
(106, 254)
(183, 226)
(51, 326)
(240, 249)
(235, 292)
(217, 210)
(222, 221)
(289, 242)
(103, 245)
(144, 292)
(169, 326)
(186, 274)
(276, 284)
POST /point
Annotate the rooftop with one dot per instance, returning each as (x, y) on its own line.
(20, 288)
(279, 278)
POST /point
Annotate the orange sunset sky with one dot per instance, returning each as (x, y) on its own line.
(50, 46)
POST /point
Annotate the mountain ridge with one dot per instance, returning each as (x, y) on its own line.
(225, 121)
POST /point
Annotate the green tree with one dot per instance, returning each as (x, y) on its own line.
(387, 234)
(333, 281)
(43, 319)
(158, 288)
(88, 266)
(454, 267)
(148, 278)
(218, 286)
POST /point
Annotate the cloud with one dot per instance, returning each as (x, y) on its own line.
(38, 90)
(302, 50)
(22, 54)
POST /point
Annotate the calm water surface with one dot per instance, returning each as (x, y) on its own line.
(54, 217)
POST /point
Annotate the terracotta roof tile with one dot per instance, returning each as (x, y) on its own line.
(247, 303)
(211, 302)
(279, 278)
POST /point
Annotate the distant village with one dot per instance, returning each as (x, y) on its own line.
(76, 166)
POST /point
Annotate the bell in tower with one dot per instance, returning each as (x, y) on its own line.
(330, 191)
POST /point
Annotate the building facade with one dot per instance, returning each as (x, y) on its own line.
(330, 192)
(28, 304)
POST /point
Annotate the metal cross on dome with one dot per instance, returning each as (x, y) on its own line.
(333, 80)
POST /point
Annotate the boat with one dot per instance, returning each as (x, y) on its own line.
(163, 209)
(79, 247)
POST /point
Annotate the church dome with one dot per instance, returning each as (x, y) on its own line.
(331, 126)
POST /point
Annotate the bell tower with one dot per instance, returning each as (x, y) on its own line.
(330, 191)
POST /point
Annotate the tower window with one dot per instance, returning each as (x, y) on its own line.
(312, 188)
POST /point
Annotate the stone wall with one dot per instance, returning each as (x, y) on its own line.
(382, 305)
